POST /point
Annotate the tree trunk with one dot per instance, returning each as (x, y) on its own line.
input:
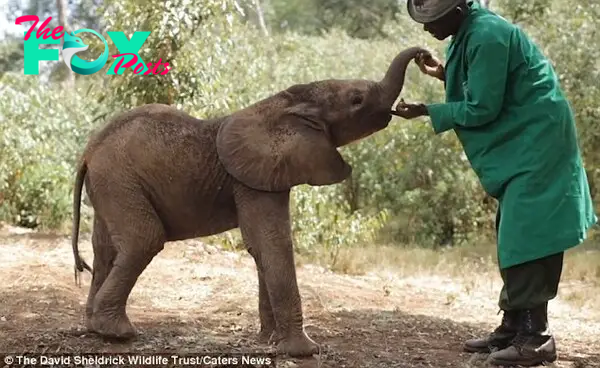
(63, 10)
(261, 17)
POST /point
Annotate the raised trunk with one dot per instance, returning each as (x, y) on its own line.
(393, 81)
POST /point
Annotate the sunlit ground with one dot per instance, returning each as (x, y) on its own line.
(396, 307)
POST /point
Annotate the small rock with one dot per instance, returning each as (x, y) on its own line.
(287, 364)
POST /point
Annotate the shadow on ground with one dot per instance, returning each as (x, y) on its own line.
(197, 300)
(48, 320)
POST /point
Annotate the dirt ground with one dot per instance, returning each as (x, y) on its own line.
(195, 298)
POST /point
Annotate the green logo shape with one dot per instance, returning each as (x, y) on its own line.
(73, 45)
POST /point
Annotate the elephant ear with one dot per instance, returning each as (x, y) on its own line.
(277, 154)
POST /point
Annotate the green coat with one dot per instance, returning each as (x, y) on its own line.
(517, 129)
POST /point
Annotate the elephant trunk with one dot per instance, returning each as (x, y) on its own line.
(393, 81)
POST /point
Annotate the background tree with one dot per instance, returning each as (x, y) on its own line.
(62, 9)
(408, 186)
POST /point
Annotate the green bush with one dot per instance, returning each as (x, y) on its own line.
(42, 131)
(408, 185)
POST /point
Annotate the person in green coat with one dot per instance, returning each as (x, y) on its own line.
(506, 106)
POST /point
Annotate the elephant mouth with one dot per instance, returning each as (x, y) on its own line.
(382, 119)
(374, 123)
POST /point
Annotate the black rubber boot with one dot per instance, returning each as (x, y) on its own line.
(498, 339)
(534, 344)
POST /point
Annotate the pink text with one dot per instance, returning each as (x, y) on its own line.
(57, 32)
(138, 69)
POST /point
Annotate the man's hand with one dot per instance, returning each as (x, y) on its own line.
(430, 65)
(410, 111)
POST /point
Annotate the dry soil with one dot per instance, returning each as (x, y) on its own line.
(196, 298)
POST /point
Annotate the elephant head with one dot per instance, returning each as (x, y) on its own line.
(291, 137)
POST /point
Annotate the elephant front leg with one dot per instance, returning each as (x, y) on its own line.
(267, 319)
(265, 224)
(265, 312)
(284, 297)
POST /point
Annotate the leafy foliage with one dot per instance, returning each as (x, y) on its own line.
(42, 130)
(360, 19)
(408, 185)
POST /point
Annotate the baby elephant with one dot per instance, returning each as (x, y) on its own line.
(155, 174)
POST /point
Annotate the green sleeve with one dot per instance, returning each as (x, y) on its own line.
(488, 60)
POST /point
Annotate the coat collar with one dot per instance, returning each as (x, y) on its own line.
(474, 10)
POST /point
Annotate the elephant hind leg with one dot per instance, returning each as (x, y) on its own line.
(138, 235)
(104, 256)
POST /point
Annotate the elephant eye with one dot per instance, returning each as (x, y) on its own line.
(357, 100)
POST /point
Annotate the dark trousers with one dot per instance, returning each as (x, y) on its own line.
(531, 284)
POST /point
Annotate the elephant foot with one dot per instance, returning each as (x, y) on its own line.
(298, 346)
(88, 323)
(264, 335)
(112, 326)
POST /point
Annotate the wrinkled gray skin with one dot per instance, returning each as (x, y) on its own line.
(155, 174)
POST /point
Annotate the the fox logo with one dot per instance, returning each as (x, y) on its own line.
(71, 46)
(128, 49)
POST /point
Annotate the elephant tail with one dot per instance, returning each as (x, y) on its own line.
(80, 264)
